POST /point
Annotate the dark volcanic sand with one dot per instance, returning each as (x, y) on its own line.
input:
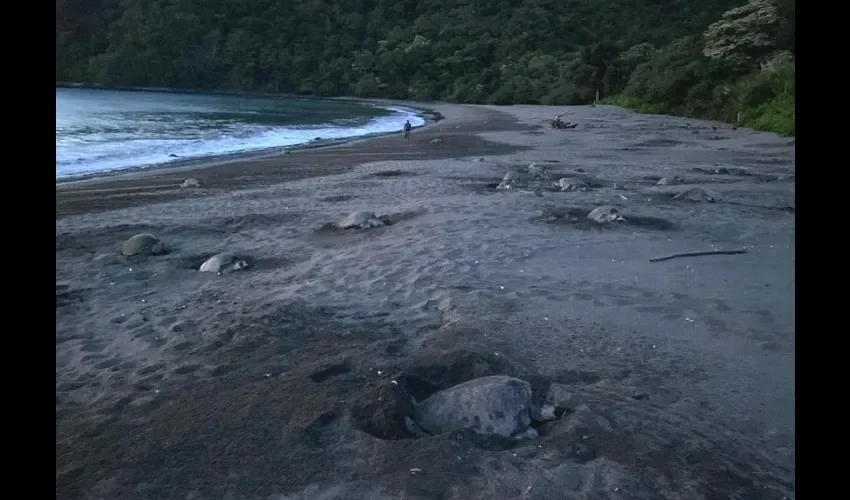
(675, 379)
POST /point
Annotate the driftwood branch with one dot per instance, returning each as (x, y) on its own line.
(698, 253)
(559, 124)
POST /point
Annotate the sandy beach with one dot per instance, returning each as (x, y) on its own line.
(292, 379)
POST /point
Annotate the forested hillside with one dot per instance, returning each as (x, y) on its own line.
(673, 56)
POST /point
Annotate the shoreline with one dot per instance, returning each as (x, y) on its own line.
(427, 114)
(162, 182)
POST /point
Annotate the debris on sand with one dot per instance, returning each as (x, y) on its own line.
(558, 124)
(698, 253)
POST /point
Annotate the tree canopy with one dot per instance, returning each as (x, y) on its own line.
(475, 51)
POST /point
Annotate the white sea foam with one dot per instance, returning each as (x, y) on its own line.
(127, 135)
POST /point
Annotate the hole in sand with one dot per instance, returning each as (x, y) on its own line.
(337, 198)
(657, 143)
(193, 262)
(650, 222)
(250, 221)
(572, 216)
(314, 432)
(182, 346)
(572, 377)
(222, 370)
(267, 263)
(331, 229)
(543, 427)
(735, 171)
(329, 372)
(65, 295)
(482, 187)
(592, 182)
(437, 372)
(389, 173)
(381, 411)
(400, 217)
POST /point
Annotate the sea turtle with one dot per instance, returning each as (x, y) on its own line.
(666, 181)
(605, 214)
(537, 171)
(143, 244)
(191, 183)
(695, 194)
(681, 192)
(488, 405)
(508, 181)
(360, 220)
(223, 263)
(538, 191)
(571, 184)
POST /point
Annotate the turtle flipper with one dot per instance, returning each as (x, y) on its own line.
(414, 429)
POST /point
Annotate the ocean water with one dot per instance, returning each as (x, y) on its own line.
(104, 130)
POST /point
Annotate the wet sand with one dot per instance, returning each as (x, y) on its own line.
(290, 380)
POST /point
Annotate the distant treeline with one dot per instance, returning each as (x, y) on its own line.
(671, 56)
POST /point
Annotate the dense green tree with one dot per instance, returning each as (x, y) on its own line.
(740, 70)
(480, 51)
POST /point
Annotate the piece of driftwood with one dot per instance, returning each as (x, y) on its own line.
(559, 124)
(698, 253)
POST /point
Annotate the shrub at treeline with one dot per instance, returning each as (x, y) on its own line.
(684, 57)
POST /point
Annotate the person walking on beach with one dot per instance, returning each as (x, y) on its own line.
(407, 127)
